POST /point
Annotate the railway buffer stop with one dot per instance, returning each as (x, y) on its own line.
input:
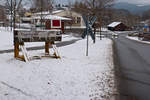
(49, 36)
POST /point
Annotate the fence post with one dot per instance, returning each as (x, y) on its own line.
(47, 47)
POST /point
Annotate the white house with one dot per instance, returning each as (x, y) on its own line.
(77, 20)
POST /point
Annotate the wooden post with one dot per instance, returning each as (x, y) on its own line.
(94, 34)
(100, 33)
(62, 27)
(47, 47)
(16, 50)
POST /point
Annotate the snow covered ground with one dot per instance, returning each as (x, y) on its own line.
(73, 77)
(136, 39)
(6, 40)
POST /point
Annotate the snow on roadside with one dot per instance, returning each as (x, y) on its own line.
(6, 40)
(136, 39)
(73, 77)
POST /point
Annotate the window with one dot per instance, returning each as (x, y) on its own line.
(73, 20)
(55, 23)
(78, 20)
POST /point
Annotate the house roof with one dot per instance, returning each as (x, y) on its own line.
(47, 12)
(57, 11)
(51, 17)
(67, 11)
(43, 13)
(114, 24)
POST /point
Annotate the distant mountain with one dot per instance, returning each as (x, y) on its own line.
(133, 8)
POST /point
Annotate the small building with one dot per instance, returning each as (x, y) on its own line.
(77, 20)
(27, 14)
(50, 22)
(117, 26)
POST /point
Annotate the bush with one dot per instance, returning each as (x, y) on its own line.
(133, 34)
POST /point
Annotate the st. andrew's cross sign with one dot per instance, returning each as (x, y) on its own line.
(88, 30)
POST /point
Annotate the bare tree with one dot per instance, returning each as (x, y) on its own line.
(13, 6)
(95, 6)
(146, 15)
(80, 7)
(41, 6)
(98, 8)
(45, 5)
(125, 17)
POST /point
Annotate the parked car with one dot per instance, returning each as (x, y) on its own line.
(133, 34)
(144, 36)
(115, 35)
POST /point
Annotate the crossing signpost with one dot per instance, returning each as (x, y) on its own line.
(89, 22)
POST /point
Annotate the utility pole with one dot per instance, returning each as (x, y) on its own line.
(41, 12)
(11, 14)
(100, 33)
(100, 29)
(87, 47)
(94, 24)
(93, 4)
(14, 15)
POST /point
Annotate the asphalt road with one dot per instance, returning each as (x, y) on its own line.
(60, 44)
(132, 62)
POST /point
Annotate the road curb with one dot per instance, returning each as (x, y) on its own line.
(116, 79)
(144, 42)
(64, 43)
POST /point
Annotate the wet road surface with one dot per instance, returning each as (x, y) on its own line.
(59, 44)
(132, 62)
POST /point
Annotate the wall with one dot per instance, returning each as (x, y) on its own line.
(73, 15)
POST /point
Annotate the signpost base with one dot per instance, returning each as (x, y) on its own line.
(25, 57)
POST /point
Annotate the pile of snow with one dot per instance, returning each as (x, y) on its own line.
(52, 17)
(6, 38)
(75, 27)
(114, 24)
(24, 25)
(73, 77)
(137, 39)
(104, 29)
(57, 11)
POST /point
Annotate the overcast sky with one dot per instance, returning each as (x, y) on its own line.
(64, 1)
(142, 2)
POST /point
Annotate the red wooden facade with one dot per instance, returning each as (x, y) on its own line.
(55, 24)
(119, 27)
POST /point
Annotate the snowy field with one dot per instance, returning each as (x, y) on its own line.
(73, 77)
